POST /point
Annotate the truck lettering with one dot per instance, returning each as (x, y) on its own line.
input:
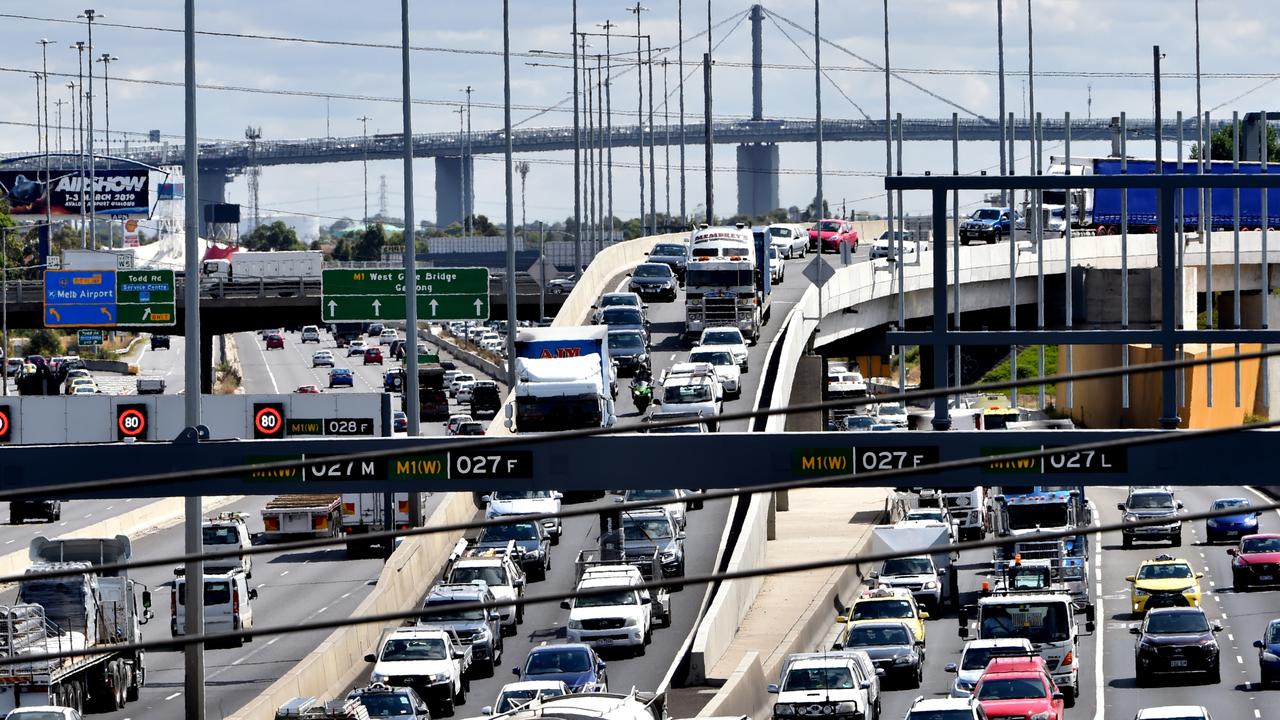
(569, 352)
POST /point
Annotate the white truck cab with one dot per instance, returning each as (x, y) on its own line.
(693, 388)
(843, 685)
(227, 531)
(227, 606)
(616, 615)
(499, 570)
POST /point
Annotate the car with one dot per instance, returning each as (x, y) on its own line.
(356, 347)
(451, 427)
(310, 333)
(13, 366)
(885, 246)
(375, 330)
(720, 357)
(89, 389)
(78, 373)
(477, 627)
(654, 529)
(673, 255)
(1269, 654)
(1164, 581)
(503, 503)
(675, 508)
(397, 349)
(1230, 527)
(1174, 712)
(486, 399)
(730, 336)
(43, 712)
(388, 336)
(37, 360)
(791, 240)
(614, 299)
(464, 391)
(857, 423)
(777, 270)
(575, 664)
(975, 656)
(471, 427)
(275, 342)
(891, 414)
(1255, 562)
(949, 708)
(341, 376)
(625, 318)
(322, 358)
(830, 234)
(373, 355)
(513, 695)
(532, 544)
(884, 604)
(458, 381)
(892, 648)
(987, 224)
(1019, 687)
(630, 350)
(384, 701)
(654, 280)
(159, 341)
(691, 387)
(1148, 505)
(399, 421)
(1176, 641)
(74, 383)
(562, 286)
(693, 427)
(307, 390)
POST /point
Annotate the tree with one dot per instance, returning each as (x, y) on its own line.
(43, 342)
(483, 226)
(522, 167)
(1221, 146)
(273, 236)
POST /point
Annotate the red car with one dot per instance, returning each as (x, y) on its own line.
(1256, 562)
(1019, 687)
(831, 234)
(373, 355)
(307, 389)
(275, 342)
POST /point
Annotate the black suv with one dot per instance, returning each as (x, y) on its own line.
(159, 341)
(1176, 641)
(1151, 504)
(892, 648)
(533, 545)
(673, 255)
(477, 627)
(384, 701)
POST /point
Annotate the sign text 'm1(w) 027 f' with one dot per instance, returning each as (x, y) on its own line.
(376, 294)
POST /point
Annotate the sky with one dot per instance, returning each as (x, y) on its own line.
(955, 39)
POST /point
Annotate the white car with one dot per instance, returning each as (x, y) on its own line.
(1172, 712)
(696, 391)
(974, 659)
(43, 712)
(418, 653)
(449, 375)
(790, 239)
(892, 414)
(846, 385)
(676, 508)
(455, 422)
(720, 357)
(458, 380)
(463, 393)
(730, 336)
(527, 502)
(356, 347)
(950, 708)
(322, 357)
(618, 618)
(513, 695)
(777, 270)
(388, 336)
(88, 389)
(310, 333)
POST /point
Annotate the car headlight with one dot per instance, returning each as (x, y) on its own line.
(1130, 517)
(1188, 590)
(846, 708)
(575, 624)
(630, 622)
(782, 709)
(377, 678)
(964, 685)
(903, 660)
(483, 633)
(930, 585)
(1268, 656)
(1042, 716)
(1139, 592)
(434, 678)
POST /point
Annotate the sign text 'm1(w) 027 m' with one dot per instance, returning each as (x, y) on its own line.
(377, 294)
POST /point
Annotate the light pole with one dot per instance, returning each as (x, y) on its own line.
(666, 139)
(462, 164)
(468, 172)
(653, 170)
(79, 46)
(817, 112)
(577, 151)
(364, 150)
(44, 69)
(58, 104)
(106, 59)
(1200, 129)
(636, 10)
(89, 16)
(608, 27)
(410, 242)
(522, 167)
(680, 63)
(511, 241)
(709, 149)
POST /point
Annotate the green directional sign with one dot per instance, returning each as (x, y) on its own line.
(87, 338)
(145, 297)
(373, 294)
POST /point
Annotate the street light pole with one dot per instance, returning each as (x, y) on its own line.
(680, 64)
(364, 150)
(577, 153)
(410, 241)
(84, 181)
(653, 169)
(468, 172)
(709, 150)
(511, 241)
(608, 27)
(666, 140)
(106, 60)
(89, 16)
(48, 206)
(636, 10)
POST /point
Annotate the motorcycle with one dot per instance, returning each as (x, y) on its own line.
(641, 393)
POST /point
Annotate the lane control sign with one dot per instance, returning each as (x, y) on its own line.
(131, 421)
(6, 424)
(268, 420)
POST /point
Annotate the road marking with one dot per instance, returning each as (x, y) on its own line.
(8, 542)
(173, 696)
(345, 596)
(1211, 584)
(286, 572)
(88, 515)
(260, 586)
(1257, 713)
(237, 661)
(272, 641)
(326, 607)
(1231, 637)
(1224, 615)
(1263, 497)
(1239, 659)
(267, 366)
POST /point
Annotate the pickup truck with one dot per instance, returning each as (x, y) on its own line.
(987, 224)
(150, 386)
(613, 613)
(843, 685)
(429, 661)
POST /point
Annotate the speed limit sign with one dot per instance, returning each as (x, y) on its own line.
(6, 424)
(268, 420)
(131, 421)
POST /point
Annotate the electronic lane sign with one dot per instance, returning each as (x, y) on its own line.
(1067, 462)
(131, 421)
(330, 426)
(6, 424)
(879, 459)
(268, 420)
(109, 298)
(483, 464)
(377, 294)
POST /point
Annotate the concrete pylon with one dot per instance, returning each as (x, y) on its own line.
(757, 179)
(449, 195)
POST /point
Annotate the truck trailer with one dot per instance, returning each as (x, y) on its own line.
(312, 515)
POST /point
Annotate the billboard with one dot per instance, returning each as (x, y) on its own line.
(116, 192)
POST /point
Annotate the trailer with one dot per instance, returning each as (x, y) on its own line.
(928, 539)
(302, 516)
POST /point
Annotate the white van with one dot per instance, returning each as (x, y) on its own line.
(226, 605)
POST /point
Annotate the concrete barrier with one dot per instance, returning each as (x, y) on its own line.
(111, 366)
(338, 662)
(744, 693)
(603, 271)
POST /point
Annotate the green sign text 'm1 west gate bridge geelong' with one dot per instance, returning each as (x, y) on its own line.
(374, 294)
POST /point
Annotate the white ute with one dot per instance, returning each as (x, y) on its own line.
(502, 503)
(619, 616)
(841, 685)
(427, 661)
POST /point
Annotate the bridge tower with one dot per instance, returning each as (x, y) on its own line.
(757, 162)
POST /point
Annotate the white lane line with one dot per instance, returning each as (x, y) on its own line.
(1239, 659)
(1257, 713)
(8, 542)
(88, 515)
(1099, 698)
(237, 661)
(286, 572)
(345, 596)
(272, 641)
(1224, 615)
(267, 366)
(326, 607)
(1211, 584)
(1231, 638)
(173, 696)
(260, 586)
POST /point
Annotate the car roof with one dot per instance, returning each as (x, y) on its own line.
(1174, 610)
(927, 704)
(1005, 665)
(1172, 711)
(561, 647)
(999, 642)
(1164, 560)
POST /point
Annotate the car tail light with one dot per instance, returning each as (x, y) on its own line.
(271, 524)
(320, 522)
(235, 602)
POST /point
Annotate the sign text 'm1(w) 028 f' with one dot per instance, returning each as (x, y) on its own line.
(376, 294)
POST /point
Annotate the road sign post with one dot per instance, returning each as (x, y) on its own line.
(377, 294)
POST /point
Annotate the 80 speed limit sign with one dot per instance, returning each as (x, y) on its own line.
(131, 421)
(268, 420)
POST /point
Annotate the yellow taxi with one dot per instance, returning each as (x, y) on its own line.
(884, 604)
(1164, 581)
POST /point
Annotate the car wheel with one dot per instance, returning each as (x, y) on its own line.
(638, 650)
(1126, 541)
(1215, 675)
(1177, 540)
(446, 707)
(555, 539)
(1238, 583)
(992, 241)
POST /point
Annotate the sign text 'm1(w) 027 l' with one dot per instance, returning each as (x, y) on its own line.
(376, 294)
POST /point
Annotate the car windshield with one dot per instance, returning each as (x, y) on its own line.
(221, 536)
(387, 704)
(652, 271)
(558, 661)
(651, 495)
(892, 410)
(722, 337)
(652, 528)
(715, 357)
(1030, 517)
(677, 394)
(36, 715)
(1273, 633)
(413, 649)
(1230, 503)
(880, 609)
(875, 636)
(941, 715)
(859, 421)
(818, 679)
(780, 232)
(503, 533)
(828, 226)
(985, 214)
(441, 613)
(1164, 572)
(626, 341)
(617, 300)
(907, 566)
(521, 495)
(492, 575)
(512, 699)
(622, 316)
(976, 658)
(1177, 622)
(1038, 622)
(1011, 689)
(667, 250)
(1260, 545)
(1150, 501)
(610, 599)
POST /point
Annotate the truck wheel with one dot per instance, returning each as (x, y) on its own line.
(638, 650)
(445, 707)
(1069, 693)
(485, 670)
(15, 518)
(463, 687)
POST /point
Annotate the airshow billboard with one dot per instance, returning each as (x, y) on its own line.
(116, 192)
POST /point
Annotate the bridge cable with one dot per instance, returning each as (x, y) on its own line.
(825, 74)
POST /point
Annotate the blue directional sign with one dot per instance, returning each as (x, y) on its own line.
(79, 298)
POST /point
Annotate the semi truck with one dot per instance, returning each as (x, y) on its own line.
(1100, 210)
(1025, 510)
(565, 380)
(313, 515)
(275, 265)
(727, 282)
(364, 513)
(433, 399)
(87, 610)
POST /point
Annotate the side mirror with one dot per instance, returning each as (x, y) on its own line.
(680, 535)
(1089, 626)
(600, 665)
(874, 574)
(1258, 644)
(963, 631)
(880, 672)
(370, 657)
(837, 645)
(951, 667)
(865, 685)
(1233, 552)
(1130, 578)
(515, 671)
(772, 689)
(646, 600)
(1120, 506)
(1217, 627)
(942, 571)
(1179, 503)
(618, 499)
(483, 498)
(253, 593)
(1199, 575)
(924, 615)
(564, 604)
(486, 710)
(557, 495)
(1135, 630)
(1057, 695)
(842, 619)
